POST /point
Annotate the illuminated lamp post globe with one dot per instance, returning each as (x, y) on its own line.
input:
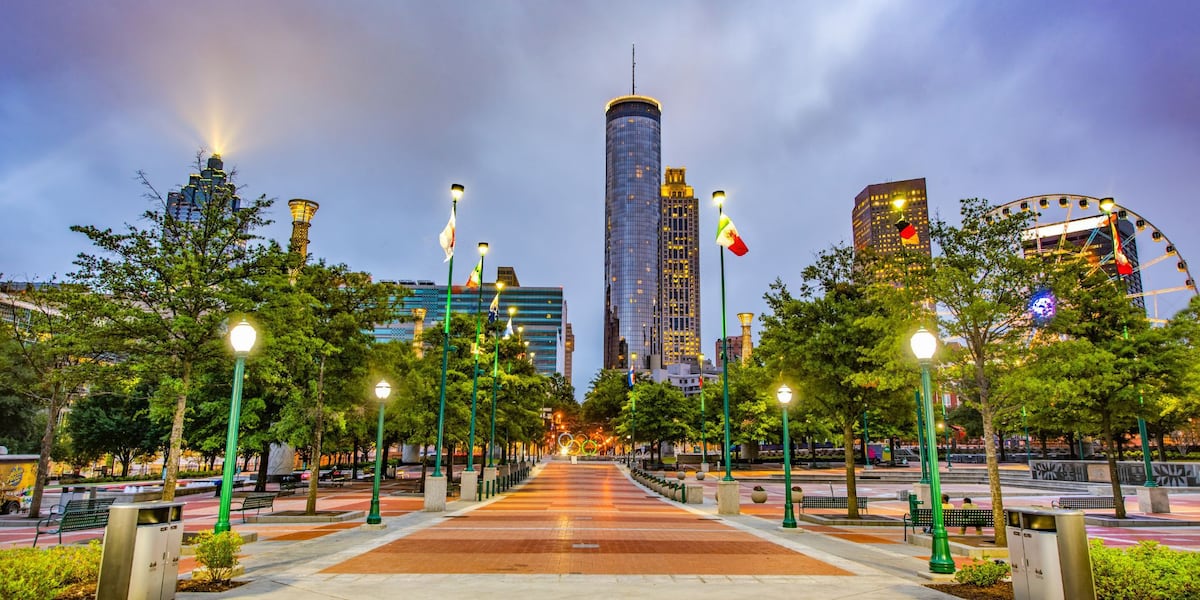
(924, 344)
(784, 394)
(382, 391)
(242, 339)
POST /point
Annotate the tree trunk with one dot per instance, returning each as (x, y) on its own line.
(261, 484)
(176, 442)
(1118, 497)
(1044, 450)
(851, 488)
(1119, 440)
(989, 449)
(1160, 439)
(43, 466)
(314, 469)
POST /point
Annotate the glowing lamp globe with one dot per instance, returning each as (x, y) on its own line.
(923, 344)
(242, 337)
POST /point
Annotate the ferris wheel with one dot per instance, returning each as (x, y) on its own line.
(1117, 240)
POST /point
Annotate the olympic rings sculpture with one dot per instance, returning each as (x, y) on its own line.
(577, 444)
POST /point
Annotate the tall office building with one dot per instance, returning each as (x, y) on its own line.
(211, 182)
(632, 217)
(890, 217)
(541, 316)
(679, 287)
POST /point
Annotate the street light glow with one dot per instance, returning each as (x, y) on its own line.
(923, 344)
(382, 390)
(718, 197)
(1107, 204)
(242, 337)
(456, 191)
(784, 394)
(483, 248)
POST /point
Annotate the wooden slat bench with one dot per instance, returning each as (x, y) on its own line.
(77, 515)
(255, 502)
(1079, 502)
(951, 517)
(831, 502)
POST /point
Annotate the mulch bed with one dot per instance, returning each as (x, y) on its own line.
(999, 591)
(87, 591)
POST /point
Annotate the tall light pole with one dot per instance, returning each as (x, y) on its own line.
(946, 426)
(703, 435)
(924, 344)
(922, 444)
(435, 484)
(1107, 205)
(483, 250)
(719, 198)
(242, 338)
(512, 310)
(784, 394)
(633, 404)
(382, 391)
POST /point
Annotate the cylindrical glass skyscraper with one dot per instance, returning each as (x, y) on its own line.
(632, 184)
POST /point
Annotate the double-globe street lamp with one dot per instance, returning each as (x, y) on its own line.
(784, 394)
(382, 391)
(924, 344)
(242, 338)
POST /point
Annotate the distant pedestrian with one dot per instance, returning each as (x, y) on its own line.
(966, 503)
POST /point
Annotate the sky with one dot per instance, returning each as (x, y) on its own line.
(373, 109)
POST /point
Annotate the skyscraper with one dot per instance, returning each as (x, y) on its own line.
(890, 217)
(632, 216)
(679, 288)
(211, 182)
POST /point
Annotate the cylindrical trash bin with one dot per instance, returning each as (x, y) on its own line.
(141, 551)
(1048, 551)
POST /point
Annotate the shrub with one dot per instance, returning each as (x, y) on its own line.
(1147, 571)
(218, 553)
(982, 574)
(39, 574)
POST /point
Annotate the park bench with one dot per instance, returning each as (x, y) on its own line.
(951, 517)
(287, 485)
(830, 502)
(77, 515)
(1079, 502)
(254, 502)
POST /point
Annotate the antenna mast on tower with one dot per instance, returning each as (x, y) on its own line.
(633, 71)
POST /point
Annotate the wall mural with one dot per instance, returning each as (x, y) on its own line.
(1130, 472)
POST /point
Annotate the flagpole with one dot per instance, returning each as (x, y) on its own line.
(483, 250)
(456, 192)
(719, 198)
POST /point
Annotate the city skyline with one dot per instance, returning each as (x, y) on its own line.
(374, 111)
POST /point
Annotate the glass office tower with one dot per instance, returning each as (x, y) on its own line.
(633, 168)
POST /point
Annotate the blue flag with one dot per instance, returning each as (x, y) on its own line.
(494, 309)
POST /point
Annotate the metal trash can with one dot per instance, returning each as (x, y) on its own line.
(141, 551)
(1048, 551)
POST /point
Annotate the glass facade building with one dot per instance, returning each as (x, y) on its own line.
(540, 312)
(632, 217)
(680, 262)
(211, 182)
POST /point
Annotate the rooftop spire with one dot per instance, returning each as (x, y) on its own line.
(633, 71)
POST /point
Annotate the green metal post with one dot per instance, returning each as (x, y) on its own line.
(441, 423)
(1144, 435)
(789, 517)
(703, 435)
(475, 372)
(495, 392)
(946, 424)
(725, 363)
(373, 518)
(940, 560)
(922, 447)
(866, 443)
(231, 439)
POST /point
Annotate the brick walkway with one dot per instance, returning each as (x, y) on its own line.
(584, 519)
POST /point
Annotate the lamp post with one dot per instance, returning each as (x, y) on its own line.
(719, 198)
(382, 391)
(946, 427)
(632, 405)
(924, 344)
(703, 435)
(436, 484)
(483, 250)
(512, 311)
(784, 394)
(922, 445)
(242, 338)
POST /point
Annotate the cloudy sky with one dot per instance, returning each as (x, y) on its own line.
(374, 108)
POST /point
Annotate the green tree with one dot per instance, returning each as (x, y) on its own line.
(607, 394)
(173, 285)
(839, 342)
(981, 283)
(663, 414)
(114, 421)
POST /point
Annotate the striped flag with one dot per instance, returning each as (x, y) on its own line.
(476, 275)
(727, 236)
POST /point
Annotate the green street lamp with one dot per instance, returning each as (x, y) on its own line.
(382, 391)
(703, 435)
(512, 311)
(784, 394)
(483, 250)
(719, 199)
(242, 338)
(456, 192)
(924, 344)
(922, 445)
(633, 405)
